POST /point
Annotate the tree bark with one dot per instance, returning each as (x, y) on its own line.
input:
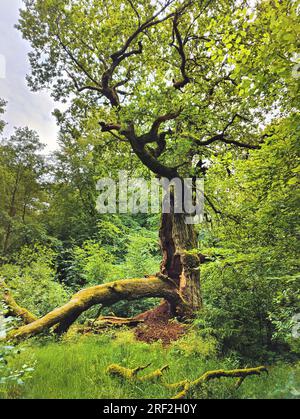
(177, 239)
(105, 294)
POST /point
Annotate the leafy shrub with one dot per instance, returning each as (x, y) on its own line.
(285, 315)
(9, 374)
(32, 280)
(93, 263)
(195, 345)
(238, 298)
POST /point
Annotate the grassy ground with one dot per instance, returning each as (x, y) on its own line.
(75, 368)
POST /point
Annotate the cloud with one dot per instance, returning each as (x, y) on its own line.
(24, 108)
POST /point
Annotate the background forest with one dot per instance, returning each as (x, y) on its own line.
(54, 242)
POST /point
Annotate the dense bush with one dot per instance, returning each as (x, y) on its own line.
(32, 280)
(9, 354)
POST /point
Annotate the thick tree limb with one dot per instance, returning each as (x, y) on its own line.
(152, 136)
(150, 161)
(106, 294)
(148, 157)
(13, 308)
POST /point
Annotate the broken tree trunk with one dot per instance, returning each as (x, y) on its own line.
(177, 240)
(106, 294)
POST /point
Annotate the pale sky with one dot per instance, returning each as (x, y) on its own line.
(24, 107)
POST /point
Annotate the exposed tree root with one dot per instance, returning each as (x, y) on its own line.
(187, 386)
(106, 294)
(14, 309)
(132, 374)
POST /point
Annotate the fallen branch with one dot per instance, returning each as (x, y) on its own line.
(187, 386)
(155, 375)
(132, 374)
(106, 294)
(14, 309)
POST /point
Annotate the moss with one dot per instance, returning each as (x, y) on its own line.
(125, 373)
(209, 375)
(155, 375)
(117, 370)
(131, 374)
(101, 294)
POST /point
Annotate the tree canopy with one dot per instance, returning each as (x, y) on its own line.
(183, 80)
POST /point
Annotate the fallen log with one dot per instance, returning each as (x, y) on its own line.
(106, 294)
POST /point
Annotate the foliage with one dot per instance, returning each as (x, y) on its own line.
(32, 280)
(94, 262)
(9, 355)
(251, 289)
(22, 190)
(193, 87)
(2, 110)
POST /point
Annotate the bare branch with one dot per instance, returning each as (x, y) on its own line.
(149, 23)
(225, 140)
(135, 11)
(180, 49)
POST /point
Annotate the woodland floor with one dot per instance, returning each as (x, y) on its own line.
(76, 368)
(158, 326)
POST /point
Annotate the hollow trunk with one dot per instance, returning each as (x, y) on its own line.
(180, 263)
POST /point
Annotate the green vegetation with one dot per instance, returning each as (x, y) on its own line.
(189, 89)
(77, 369)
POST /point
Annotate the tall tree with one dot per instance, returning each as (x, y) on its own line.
(183, 82)
(2, 110)
(22, 192)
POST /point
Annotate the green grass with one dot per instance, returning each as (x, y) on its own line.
(75, 368)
